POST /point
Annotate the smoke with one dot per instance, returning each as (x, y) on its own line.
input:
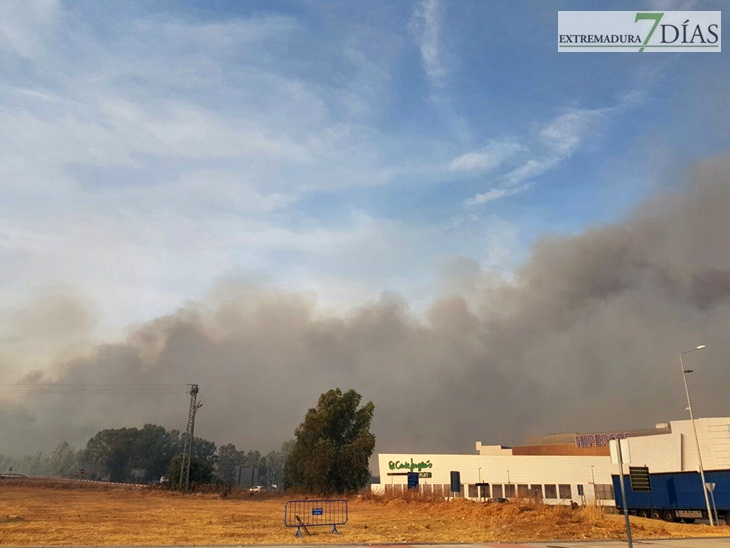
(585, 337)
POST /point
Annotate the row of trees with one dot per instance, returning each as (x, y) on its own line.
(115, 454)
(330, 454)
(61, 462)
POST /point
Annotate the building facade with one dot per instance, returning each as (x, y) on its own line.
(558, 469)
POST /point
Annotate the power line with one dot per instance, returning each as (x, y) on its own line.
(91, 388)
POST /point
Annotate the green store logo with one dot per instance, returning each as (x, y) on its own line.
(411, 466)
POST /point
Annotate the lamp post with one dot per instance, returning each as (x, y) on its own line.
(593, 477)
(480, 488)
(694, 427)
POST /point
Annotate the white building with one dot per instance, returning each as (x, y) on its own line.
(557, 470)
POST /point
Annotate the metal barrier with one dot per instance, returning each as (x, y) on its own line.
(313, 513)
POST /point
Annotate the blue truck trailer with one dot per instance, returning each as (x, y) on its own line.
(677, 496)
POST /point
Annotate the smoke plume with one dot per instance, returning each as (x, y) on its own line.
(585, 337)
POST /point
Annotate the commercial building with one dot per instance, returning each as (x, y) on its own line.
(559, 468)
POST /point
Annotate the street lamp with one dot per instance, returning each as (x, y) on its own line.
(480, 488)
(694, 427)
(595, 493)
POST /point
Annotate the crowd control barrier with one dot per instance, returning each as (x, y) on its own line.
(314, 513)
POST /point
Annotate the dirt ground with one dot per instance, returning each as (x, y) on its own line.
(65, 514)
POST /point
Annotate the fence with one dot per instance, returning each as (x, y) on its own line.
(314, 513)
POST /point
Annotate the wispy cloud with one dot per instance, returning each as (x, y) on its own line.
(490, 157)
(490, 195)
(24, 26)
(148, 150)
(544, 149)
(564, 134)
(426, 29)
(155, 154)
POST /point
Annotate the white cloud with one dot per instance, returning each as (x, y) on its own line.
(175, 91)
(489, 196)
(145, 157)
(134, 267)
(426, 28)
(25, 24)
(564, 134)
(146, 160)
(489, 157)
(177, 128)
(633, 97)
(548, 146)
(529, 170)
(221, 189)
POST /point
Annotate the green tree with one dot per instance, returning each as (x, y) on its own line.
(253, 458)
(204, 449)
(333, 446)
(63, 461)
(32, 465)
(228, 458)
(201, 472)
(112, 450)
(115, 452)
(275, 461)
(154, 449)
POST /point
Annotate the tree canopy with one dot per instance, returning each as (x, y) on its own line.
(201, 471)
(116, 451)
(228, 459)
(144, 455)
(333, 446)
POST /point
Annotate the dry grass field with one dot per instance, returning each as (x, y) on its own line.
(62, 514)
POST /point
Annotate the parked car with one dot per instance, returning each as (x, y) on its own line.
(256, 489)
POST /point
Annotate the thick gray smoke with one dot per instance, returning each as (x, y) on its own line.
(585, 338)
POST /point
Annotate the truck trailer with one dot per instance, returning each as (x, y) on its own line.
(677, 496)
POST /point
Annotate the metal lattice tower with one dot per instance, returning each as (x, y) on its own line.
(188, 451)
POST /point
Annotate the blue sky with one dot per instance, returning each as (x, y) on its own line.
(151, 150)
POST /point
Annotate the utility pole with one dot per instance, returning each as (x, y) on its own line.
(694, 427)
(616, 446)
(188, 450)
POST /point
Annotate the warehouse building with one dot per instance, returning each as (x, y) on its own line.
(558, 468)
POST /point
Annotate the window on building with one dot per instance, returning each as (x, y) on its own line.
(473, 491)
(604, 491)
(565, 491)
(397, 490)
(551, 492)
(426, 489)
(497, 491)
(484, 491)
(438, 490)
(509, 490)
(536, 492)
(523, 490)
